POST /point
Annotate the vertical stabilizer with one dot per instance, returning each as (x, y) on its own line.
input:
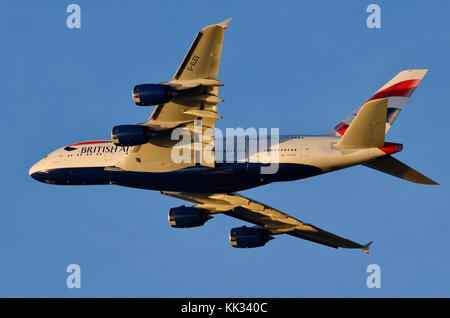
(397, 92)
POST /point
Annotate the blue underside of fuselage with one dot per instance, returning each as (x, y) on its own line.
(224, 177)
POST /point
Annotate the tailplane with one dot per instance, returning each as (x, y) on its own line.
(367, 126)
(396, 168)
(367, 130)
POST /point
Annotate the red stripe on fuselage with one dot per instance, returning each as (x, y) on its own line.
(402, 89)
(90, 142)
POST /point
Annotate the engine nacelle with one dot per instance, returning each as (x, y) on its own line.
(152, 94)
(184, 216)
(246, 237)
(131, 135)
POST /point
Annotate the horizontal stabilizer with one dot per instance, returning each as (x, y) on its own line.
(367, 130)
(396, 168)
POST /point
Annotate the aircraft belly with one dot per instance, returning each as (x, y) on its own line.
(225, 177)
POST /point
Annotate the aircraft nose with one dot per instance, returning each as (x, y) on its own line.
(33, 169)
(37, 172)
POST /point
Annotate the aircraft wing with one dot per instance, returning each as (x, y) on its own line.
(266, 217)
(197, 74)
(193, 109)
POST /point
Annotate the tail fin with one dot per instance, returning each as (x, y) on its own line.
(397, 92)
(396, 168)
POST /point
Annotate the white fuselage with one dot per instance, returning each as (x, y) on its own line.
(317, 151)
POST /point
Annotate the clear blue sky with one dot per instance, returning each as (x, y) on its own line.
(301, 66)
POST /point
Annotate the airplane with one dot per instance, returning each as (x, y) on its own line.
(141, 155)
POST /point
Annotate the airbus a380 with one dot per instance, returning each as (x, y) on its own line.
(141, 155)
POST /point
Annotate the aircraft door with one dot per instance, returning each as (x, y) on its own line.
(304, 148)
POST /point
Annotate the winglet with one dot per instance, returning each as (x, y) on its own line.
(224, 24)
(365, 248)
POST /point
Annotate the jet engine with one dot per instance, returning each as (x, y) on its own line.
(184, 216)
(152, 94)
(246, 237)
(131, 135)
